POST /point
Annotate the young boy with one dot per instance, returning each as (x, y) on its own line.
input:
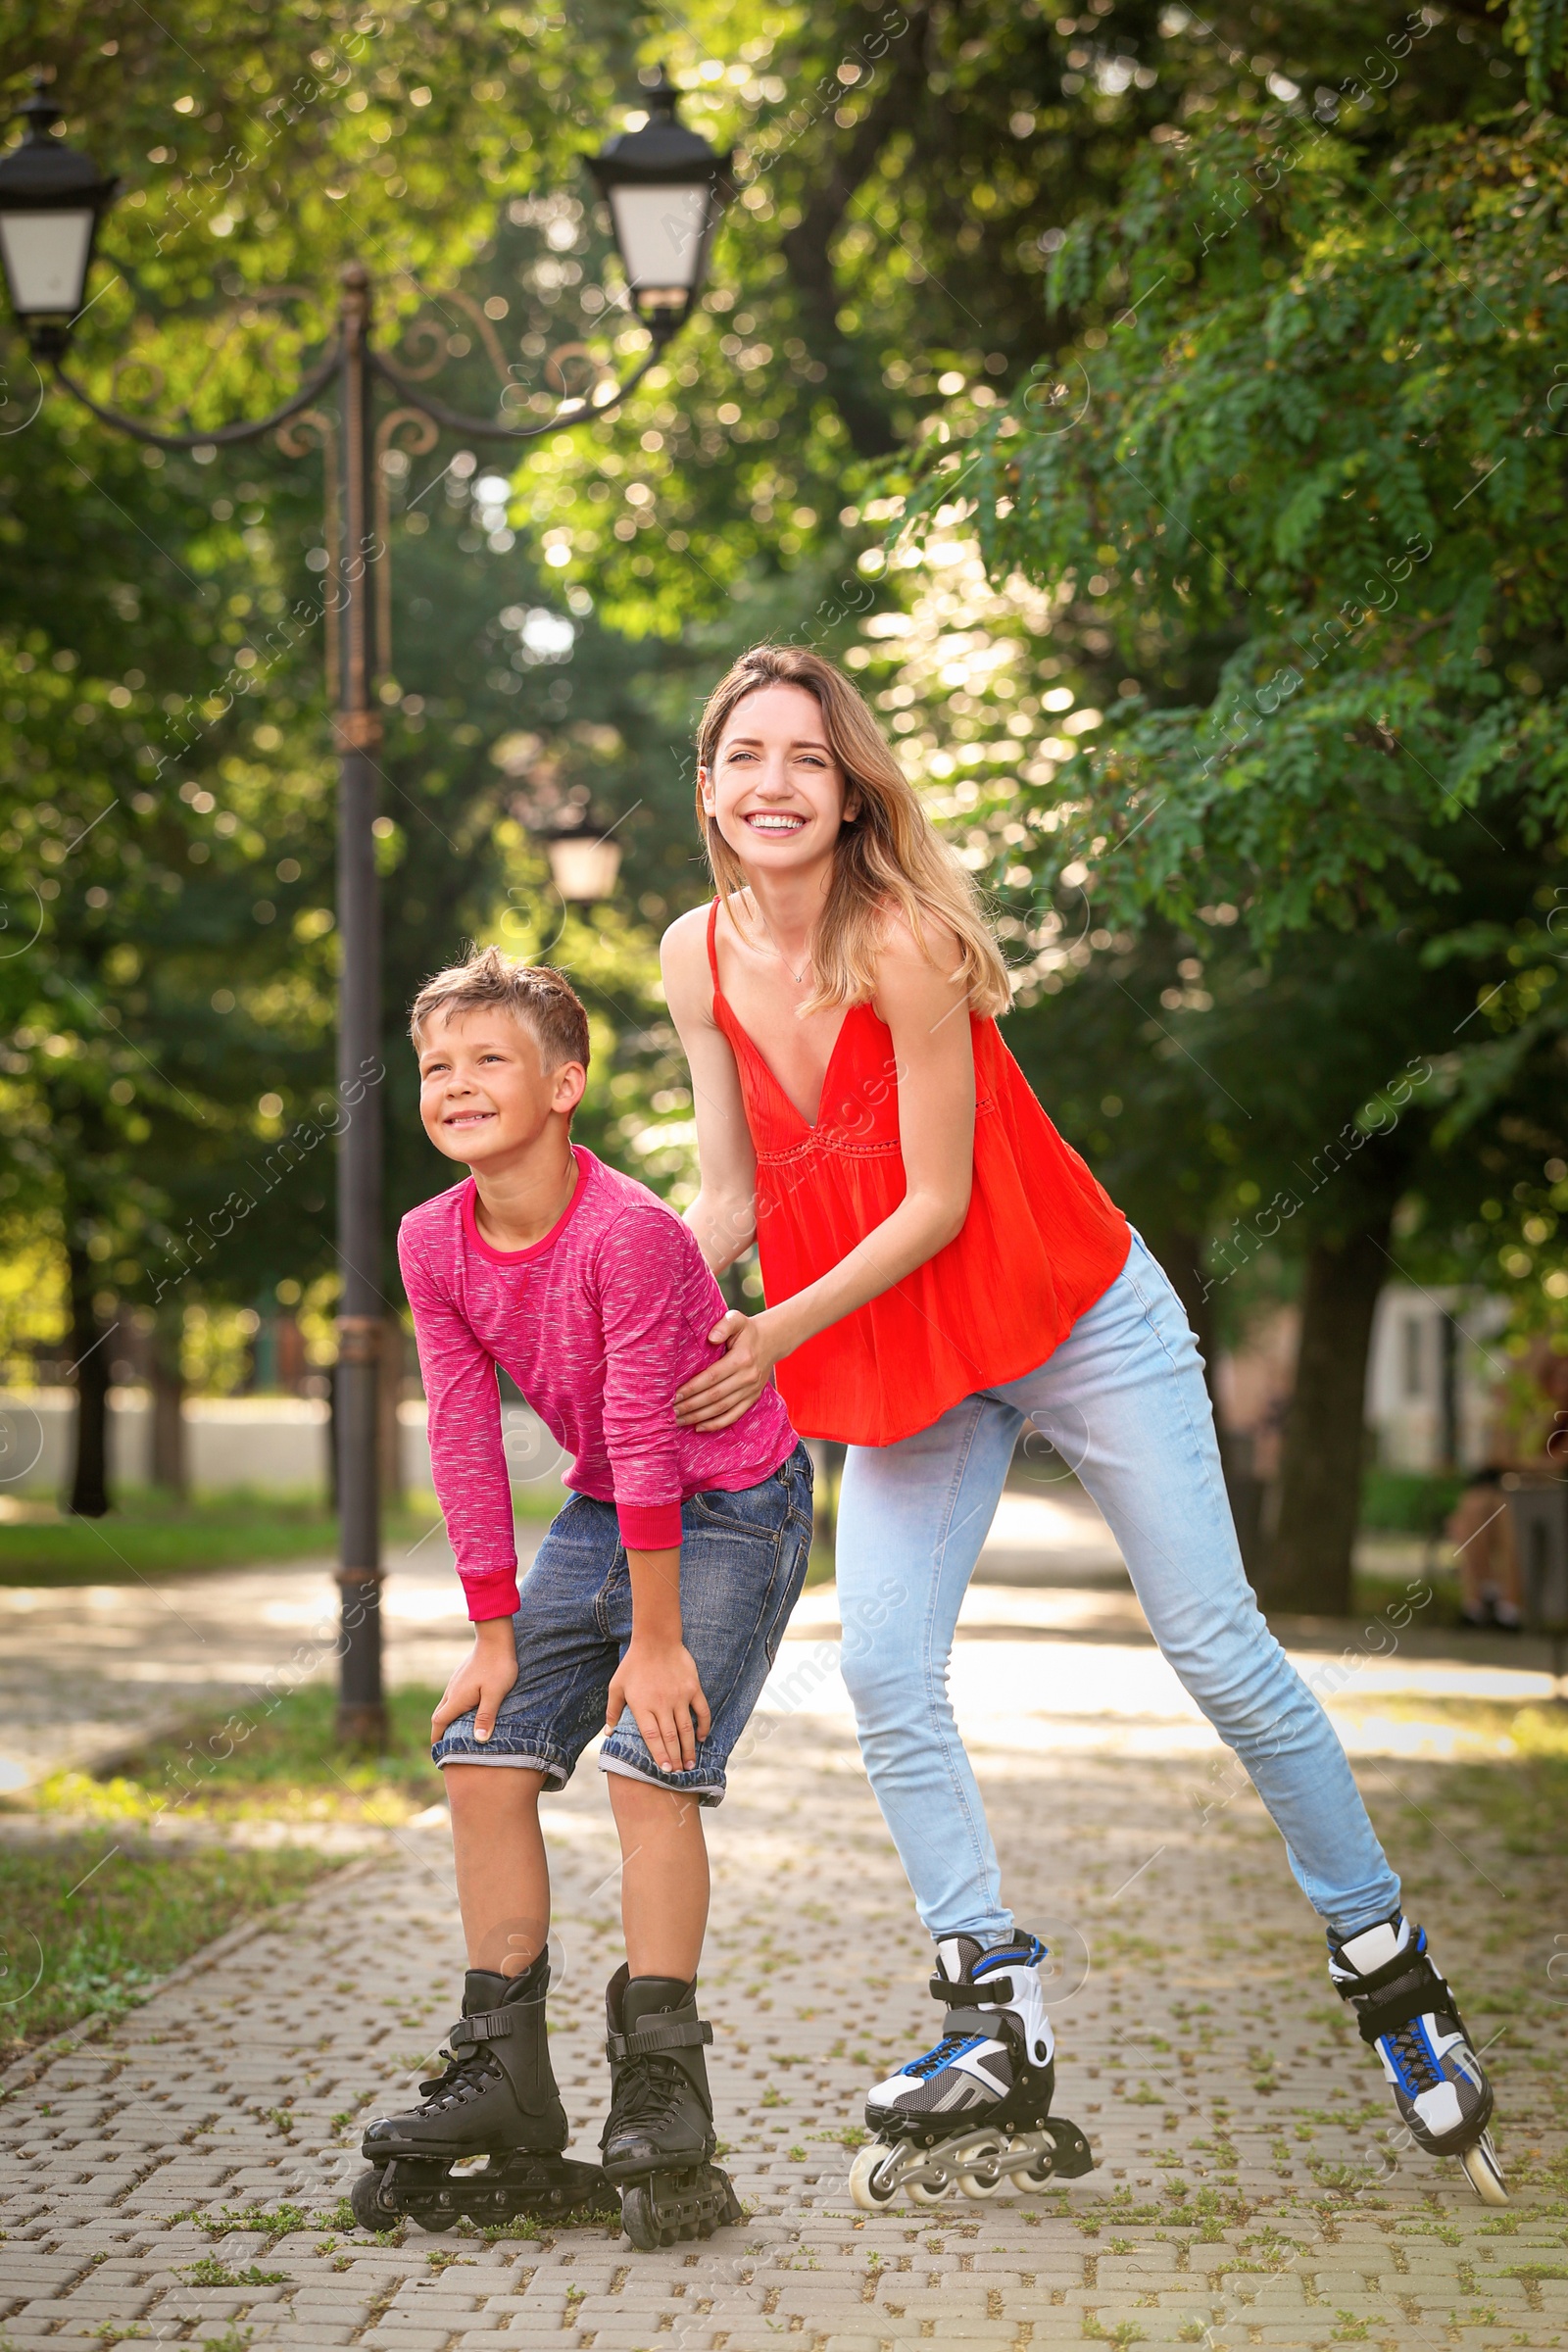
(653, 1609)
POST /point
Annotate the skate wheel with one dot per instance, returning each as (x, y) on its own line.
(932, 2189)
(865, 2190)
(1484, 2172)
(637, 2220)
(985, 2168)
(364, 2202)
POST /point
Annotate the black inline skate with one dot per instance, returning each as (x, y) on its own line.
(1407, 2013)
(658, 2139)
(973, 2115)
(496, 2098)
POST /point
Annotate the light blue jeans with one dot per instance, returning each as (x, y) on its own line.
(1124, 1402)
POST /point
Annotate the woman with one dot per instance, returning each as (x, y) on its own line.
(940, 1269)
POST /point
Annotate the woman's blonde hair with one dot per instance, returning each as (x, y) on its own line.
(888, 854)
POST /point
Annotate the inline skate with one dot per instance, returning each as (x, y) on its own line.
(1406, 2012)
(496, 2098)
(658, 2141)
(972, 2115)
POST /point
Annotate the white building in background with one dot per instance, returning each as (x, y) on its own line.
(1432, 1376)
(271, 1445)
(1430, 1381)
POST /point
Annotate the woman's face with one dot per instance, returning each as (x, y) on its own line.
(775, 790)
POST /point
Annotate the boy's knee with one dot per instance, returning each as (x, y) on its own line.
(640, 1807)
(485, 1789)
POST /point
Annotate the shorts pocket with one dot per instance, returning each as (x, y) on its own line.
(756, 1514)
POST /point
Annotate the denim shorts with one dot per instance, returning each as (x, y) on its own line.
(742, 1564)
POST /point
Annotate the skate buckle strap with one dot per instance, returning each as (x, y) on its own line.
(992, 1992)
(491, 2025)
(658, 2034)
(1405, 1988)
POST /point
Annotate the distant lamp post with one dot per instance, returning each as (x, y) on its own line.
(665, 188)
(584, 865)
(51, 201)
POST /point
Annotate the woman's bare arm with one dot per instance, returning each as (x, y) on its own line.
(934, 1067)
(723, 1215)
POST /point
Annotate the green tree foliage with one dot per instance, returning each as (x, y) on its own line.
(1302, 466)
(1328, 449)
(168, 837)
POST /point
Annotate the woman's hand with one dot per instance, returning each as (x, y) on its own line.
(481, 1681)
(714, 1399)
(659, 1682)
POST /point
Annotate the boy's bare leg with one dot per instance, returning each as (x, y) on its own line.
(502, 1876)
(664, 1878)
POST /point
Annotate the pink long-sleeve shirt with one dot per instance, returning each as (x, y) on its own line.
(599, 1324)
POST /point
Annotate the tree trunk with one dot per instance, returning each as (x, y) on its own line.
(89, 1348)
(1324, 1450)
(168, 1398)
(1180, 1251)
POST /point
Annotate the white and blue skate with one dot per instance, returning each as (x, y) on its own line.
(972, 2115)
(1411, 2018)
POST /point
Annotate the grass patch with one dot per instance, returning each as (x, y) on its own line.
(149, 1534)
(91, 1924)
(1524, 1799)
(1408, 1502)
(1374, 1591)
(272, 1759)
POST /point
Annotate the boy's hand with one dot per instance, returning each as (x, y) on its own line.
(712, 1400)
(659, 1682)
(481, 1681)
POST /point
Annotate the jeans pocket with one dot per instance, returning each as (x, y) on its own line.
(755, 1514)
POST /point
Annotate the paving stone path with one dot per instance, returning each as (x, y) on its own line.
(178, 2180)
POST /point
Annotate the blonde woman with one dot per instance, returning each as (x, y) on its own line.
(941, 1268)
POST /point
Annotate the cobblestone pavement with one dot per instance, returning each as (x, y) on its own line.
(178, 2180)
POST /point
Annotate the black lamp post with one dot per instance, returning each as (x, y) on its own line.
(666, 187)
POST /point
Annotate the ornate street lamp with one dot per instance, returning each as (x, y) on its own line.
(665, 188)
(50, 203)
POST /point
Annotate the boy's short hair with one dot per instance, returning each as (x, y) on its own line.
(542, 999)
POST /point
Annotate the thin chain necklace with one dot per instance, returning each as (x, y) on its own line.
(798, 977)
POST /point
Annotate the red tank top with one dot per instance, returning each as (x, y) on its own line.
(1041, 1241)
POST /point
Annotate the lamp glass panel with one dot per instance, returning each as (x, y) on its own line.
(584, 871)
(661, 232)
(45, 258)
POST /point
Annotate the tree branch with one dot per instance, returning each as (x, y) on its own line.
(867, 417)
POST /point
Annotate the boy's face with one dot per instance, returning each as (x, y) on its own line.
(484, 1092)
